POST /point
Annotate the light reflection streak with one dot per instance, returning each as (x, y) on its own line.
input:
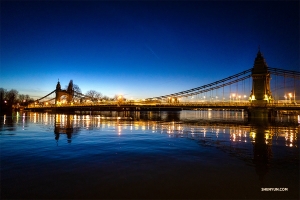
(34, 118)
(236, 134)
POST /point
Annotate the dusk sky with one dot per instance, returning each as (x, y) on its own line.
(141, 49)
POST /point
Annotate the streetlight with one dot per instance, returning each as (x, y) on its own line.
(285, 98)
(290, 95)
(232, 96)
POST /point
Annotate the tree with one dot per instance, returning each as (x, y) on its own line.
(98, 95)
(22, 98)
(91, 93)
(94, 94)
(76, 88)
(11, 96)
(9, 99)
(2, 94)
(106, 98)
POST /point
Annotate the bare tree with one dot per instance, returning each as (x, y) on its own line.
(76, 88)
(106, 98)
(91, 93)
(99, 95)
(94, 94)
(12, 96)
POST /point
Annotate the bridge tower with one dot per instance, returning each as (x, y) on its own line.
(69, 93)
(261, 92)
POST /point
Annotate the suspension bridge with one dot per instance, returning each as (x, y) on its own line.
(260, 90)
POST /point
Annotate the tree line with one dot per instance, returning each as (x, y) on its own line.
(11, 98)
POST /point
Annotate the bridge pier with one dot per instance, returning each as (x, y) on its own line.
(264, 115)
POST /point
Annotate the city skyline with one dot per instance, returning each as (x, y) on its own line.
(141, 49)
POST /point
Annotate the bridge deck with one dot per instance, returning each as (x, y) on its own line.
(167, 106)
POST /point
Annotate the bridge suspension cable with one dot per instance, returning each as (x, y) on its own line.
(48, 100)
(209, 87)
(46, 95)
(228, 81)
(217, 87)
(285, 73)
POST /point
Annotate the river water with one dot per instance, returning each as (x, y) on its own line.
(148, 155)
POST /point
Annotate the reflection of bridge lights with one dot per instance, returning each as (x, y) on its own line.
(192, 131)
(119, 129)
(136, 126)
(253, 135)
(286, 136)
(34, 118)
(209, 113)
(267, 136)
(217, 131)
(153, 129)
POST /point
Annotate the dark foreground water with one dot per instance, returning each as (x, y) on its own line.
(148, 155)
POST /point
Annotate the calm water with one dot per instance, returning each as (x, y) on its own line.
(178, 155)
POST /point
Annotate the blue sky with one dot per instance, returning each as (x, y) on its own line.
(141, 49)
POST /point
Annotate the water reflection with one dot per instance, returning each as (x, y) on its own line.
(262, 151)
(12, 121)
(204, 138)
(261, 135)
(227, 131)
(63, 125)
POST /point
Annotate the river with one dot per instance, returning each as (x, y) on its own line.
(148, 155)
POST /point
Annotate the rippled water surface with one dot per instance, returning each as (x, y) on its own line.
(178, 155)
